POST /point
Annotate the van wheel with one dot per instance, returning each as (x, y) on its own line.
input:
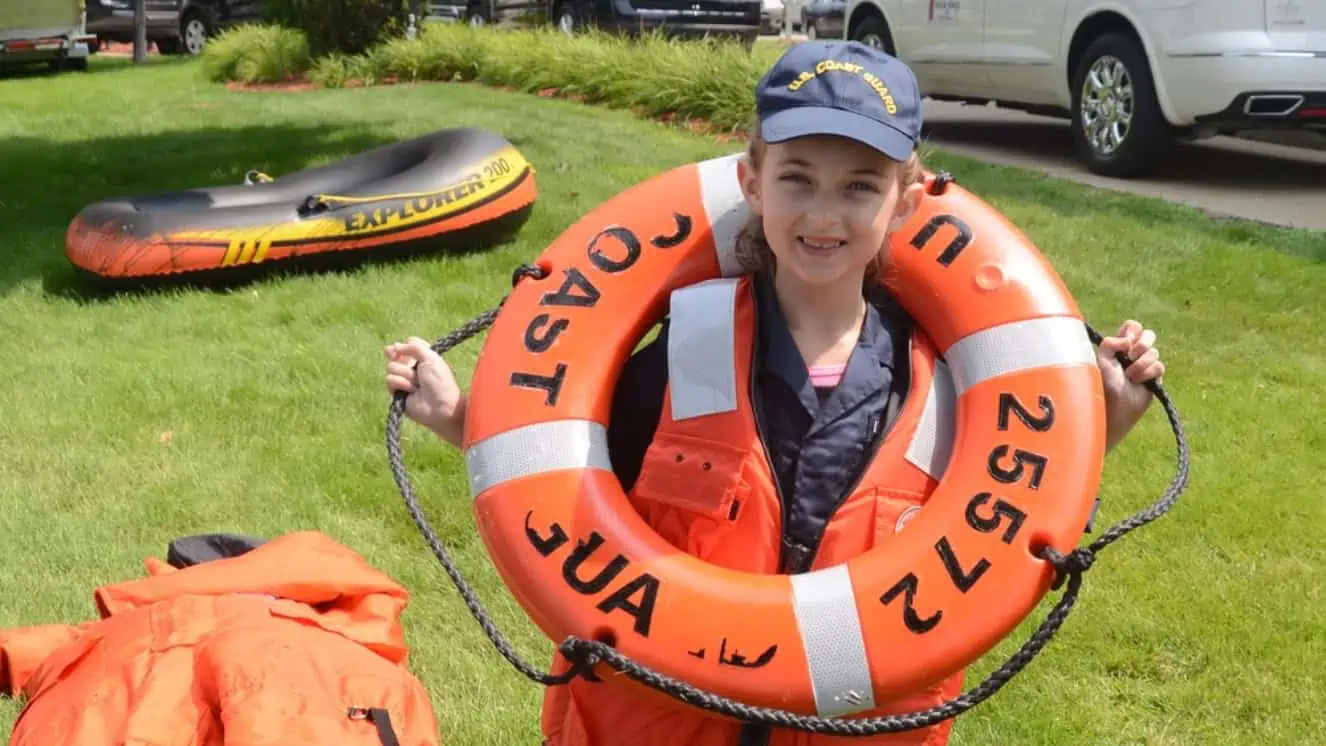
(63, 64)
(475, 15)
(874, 32)
(194, 31)
(567, 18)
(1118, 128)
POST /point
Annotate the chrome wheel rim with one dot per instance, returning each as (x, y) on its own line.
(1107, 105)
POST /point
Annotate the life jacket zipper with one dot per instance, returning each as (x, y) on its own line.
(811, 551)
(788, 551)
(754, 734)
(795, 558)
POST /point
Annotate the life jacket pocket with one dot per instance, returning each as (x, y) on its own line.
(695, 474)
(894, 509)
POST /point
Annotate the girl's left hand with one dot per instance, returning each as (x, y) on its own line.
(1126, 395)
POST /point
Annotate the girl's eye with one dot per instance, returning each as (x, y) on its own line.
(795, 178)
(863, 185)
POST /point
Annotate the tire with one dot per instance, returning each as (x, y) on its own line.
(475, 16)
(68, 64)
(874, 32)
(194, 32)
(1117, 125)
(567, 18)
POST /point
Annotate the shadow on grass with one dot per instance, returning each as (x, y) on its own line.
(54, 181)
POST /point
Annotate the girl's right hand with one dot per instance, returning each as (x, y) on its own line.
(433, 399)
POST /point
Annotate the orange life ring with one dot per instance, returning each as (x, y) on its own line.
(1023, 471)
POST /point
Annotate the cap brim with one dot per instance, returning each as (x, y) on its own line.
(804, 121)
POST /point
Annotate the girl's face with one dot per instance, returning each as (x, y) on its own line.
(828, 204)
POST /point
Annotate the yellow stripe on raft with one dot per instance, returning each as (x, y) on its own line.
(494, 173)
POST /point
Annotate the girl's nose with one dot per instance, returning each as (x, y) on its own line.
(822, 212)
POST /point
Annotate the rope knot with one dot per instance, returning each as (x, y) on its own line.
(1075, 562)
(582, 657)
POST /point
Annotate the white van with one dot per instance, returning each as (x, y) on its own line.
(1130, 75)
(44, 31)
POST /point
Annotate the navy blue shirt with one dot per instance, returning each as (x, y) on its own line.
(819, 441)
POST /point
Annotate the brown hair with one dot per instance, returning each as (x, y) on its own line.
(752, 247)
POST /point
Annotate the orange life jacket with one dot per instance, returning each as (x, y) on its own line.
(296, 642)
(706, 485)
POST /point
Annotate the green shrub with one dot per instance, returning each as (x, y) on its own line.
(256, 54)
(337, 70)
(712, 79)
(346, 26)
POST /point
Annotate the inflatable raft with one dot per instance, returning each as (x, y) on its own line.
(454, 190)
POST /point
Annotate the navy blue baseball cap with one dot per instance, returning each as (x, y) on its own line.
(842, 88)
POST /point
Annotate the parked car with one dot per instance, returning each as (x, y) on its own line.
(174, 26)
(1130, 75)
(683, 18)
(49, 32)
(823, 19)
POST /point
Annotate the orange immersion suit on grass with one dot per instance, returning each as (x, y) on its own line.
(296, 642)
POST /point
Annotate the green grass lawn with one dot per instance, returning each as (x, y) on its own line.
(131, 420)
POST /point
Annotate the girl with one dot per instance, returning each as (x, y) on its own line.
(815, 465)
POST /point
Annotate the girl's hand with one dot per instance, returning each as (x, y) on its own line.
(1126, 395)
(434, 398)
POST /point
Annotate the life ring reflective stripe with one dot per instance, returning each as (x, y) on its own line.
(1022, 470)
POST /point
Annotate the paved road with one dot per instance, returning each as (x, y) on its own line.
(1230, 176)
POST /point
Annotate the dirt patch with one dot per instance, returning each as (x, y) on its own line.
(288, 86)
(700, 126)
(298, 85)
(118, 49)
